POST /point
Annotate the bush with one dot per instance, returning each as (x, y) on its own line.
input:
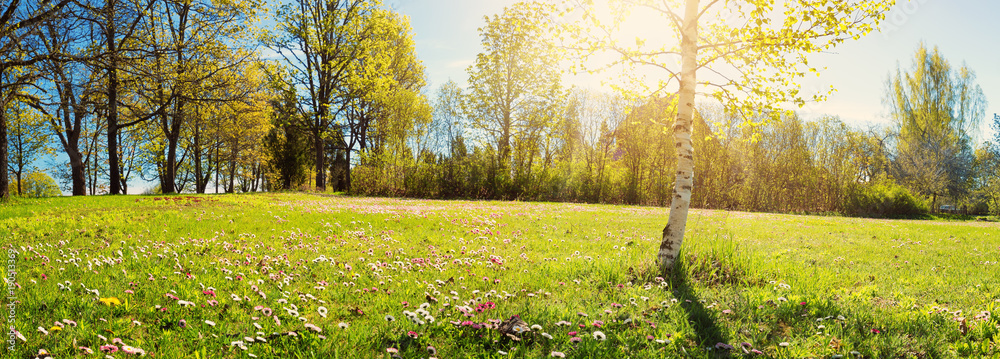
(38, 184)
(882, 199)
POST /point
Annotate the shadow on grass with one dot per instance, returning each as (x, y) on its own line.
(701, 319)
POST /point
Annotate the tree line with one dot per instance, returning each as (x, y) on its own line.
(190, 95)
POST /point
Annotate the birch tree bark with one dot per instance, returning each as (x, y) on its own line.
(673, 233)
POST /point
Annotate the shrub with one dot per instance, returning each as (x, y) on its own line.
(884, 198)
(39, 184)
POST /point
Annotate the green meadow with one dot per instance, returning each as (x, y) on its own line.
(313, 276)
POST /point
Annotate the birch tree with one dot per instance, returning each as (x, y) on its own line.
(747, 54)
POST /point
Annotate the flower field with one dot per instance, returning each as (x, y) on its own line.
(309, 276)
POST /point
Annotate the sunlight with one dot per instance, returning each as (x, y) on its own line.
(634, 27)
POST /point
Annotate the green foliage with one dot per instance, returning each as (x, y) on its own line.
(37, 185)
(883, 198)
(935, 110)
(515, 97)
(287, 146)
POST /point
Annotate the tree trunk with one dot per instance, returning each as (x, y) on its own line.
(4, 178)
(199, 184)
(77, 174)
(347, 171)
(114, 175)
(170, 167)
(673, 233)
(218, 167)
(232, 171)
(320, 165)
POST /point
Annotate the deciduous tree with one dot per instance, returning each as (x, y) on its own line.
(745, 54)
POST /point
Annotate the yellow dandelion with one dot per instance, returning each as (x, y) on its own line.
(55, 329)
(112, 301)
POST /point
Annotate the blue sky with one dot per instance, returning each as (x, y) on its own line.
(447, 41)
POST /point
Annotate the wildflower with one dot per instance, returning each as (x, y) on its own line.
(536, 327)
(390, 318)
(342, 325)
(55, 328)
(723, 346)
(86, 350)
(322, 311)
(557, 355)
(209, 322)
(43, 331)
(783, 344)
(431, 350)
(108, 349)
(391, 350)
(412, 334)
(547, 335)
(314, 328)
(575, 340)
(133, 350)
(599, 336)
(572, 334)
(110, 301)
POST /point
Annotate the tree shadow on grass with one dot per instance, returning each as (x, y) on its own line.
(708, 334)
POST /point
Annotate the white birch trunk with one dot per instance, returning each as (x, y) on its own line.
(673, 233)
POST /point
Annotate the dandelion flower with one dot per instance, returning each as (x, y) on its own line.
(110, 301)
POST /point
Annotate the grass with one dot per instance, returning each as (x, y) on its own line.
(239, 276)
